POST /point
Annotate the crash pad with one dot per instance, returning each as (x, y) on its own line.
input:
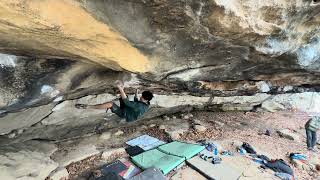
(181, 149)
(157, 159)
(146, 142)
(131, 170)
(214, 171)
(134, 150)
(110, 176)
(114, 167)
(150, 174)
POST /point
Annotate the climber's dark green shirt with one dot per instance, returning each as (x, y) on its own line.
(130, 110)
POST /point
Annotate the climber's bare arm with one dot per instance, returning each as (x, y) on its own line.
(122, 93)
(106, 105)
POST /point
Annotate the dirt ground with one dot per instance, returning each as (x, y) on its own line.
(250, 127)
(228, 127)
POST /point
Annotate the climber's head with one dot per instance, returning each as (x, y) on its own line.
(146, 96)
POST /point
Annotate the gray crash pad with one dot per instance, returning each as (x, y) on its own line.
(150, 174)
(214, 171)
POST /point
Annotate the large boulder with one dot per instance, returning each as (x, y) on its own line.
(66, 111)
(25, 165)
(29, 160)
(73, 154)
(59, 174)
(24, 119)
(169, 101)
(306, 102)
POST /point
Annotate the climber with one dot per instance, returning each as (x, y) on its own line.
(311, 129)
(130, 110)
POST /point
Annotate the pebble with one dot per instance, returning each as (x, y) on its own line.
(166, 118)
(119, 133)
(197, 121)
(20, 131)
(200, 128)
(287, 88)
(174, 135)
(105, 136)
(268, 132)
(12, 135)
(162, 127)
(218, 123)
(185, 117)
(110, 152)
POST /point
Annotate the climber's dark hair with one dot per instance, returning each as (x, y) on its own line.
(147, 95)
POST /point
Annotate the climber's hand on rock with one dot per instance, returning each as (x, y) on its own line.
(120, 87)
(119, 84)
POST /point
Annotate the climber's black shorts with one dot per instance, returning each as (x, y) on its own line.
(118, 110)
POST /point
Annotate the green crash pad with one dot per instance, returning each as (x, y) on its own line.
(181, 149)
(157, 159)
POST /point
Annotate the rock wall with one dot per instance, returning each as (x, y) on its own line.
(30, 160)
(217, 55)
(62, 121)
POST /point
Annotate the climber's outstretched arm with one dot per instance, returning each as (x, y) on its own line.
(122, 93)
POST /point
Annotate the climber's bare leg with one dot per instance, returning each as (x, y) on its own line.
(105, 106)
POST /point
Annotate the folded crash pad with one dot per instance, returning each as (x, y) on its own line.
(221, 171)
(131, 170)
(157, 159)
(181, 149)
(146, 142)
(134, 150)
(114, 167)
(150, 174)
(110, 176)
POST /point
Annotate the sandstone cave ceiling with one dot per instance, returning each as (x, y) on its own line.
(70, 47)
